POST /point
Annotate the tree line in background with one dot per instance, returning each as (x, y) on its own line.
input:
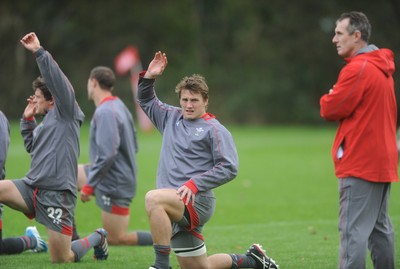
(266, 62)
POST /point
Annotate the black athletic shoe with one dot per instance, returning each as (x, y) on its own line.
(262, 260)
(101, 250)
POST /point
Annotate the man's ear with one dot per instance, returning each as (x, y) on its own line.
(206, 103)
(52, 101)
(357, 34)
(94, 82)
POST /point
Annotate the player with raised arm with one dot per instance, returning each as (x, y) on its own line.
(198, 154)
(48, 192)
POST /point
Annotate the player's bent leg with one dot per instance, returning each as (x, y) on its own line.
(117, 228)
(163, 207)
(167, 200)
(10, 196)
(60, 247)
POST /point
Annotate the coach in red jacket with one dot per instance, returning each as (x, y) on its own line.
(364, 151)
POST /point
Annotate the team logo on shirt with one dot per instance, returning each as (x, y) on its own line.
(198, 131)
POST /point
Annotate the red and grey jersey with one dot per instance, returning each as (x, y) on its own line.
(4, 143)
(113, 148)
(54, 143)
(200, 153)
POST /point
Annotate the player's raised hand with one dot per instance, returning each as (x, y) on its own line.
(30, 110)
(30, 42)
(157, 65)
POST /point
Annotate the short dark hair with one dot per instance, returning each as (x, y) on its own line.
(358, 21)
(39, 83)
(105, 76)
(194, 83)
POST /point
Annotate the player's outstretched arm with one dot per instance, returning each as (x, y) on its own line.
(30, 42)
(157, 65)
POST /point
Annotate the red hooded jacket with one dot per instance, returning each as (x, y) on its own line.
(364, 103)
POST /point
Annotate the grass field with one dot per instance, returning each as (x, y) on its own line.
(285, 197)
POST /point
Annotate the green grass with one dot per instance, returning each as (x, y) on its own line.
(285, 197)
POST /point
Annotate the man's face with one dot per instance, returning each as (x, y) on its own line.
(346, 44)
(41, 104)
(193, 105)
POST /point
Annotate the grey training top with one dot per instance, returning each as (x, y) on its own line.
(54, 143)
(113, 148)
(4, 143)
(200, 150)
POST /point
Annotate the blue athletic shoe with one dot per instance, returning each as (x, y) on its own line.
(41, 246)
(262, 260)
(101, 250)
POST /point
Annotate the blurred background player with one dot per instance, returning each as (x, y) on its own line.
(111, 174)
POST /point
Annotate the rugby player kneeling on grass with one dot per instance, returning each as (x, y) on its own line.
(198, 154)
(48, 192)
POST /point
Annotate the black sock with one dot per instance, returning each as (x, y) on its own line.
(15, 245)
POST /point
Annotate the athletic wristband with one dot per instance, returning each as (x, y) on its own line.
(30, 118)
(192, 186)
(87, 190)
(143, 73)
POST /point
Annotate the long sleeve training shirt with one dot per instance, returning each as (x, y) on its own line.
(113, 148)
(54, 143)
(199, 153)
